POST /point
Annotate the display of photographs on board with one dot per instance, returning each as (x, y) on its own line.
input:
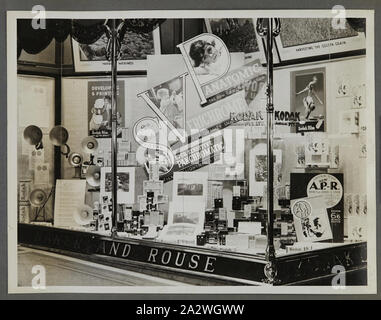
(311, 38)
(308, 99)
(135, 47)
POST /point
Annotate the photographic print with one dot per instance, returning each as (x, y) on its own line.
(99, 108)
(350, 121)
(308, 99)
(180, 233)
(238, 34)
(190, 186)
(133, 53)
(359, 96)
(186, 217)
(258, 169)
(186, 212)
(305, 38)
(125, 182)
(192, 215)
(191, 189)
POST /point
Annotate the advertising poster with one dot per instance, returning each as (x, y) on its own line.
(167, 100)
(166, 67)
(330, 190)
(310, 219)
(99, 108)
(308, 99)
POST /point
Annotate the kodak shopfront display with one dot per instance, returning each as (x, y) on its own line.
(207, 164)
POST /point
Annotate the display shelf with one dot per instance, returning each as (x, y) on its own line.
(197, 264)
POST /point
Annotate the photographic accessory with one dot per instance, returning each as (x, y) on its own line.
(201, 239)
(59, 136)
(75, 160)
(83, 215)
(33, 135)
(218, 203)
(93, 176)
(89, 145)
(236, 204)
(38, 199)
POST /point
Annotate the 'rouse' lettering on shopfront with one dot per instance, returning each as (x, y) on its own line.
(159, 256)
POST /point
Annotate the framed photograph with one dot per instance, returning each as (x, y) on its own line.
(126, 184)
(238, 34)
(308, 99)
(306, 38)
(134, 51)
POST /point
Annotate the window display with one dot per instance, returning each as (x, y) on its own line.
(214, 162)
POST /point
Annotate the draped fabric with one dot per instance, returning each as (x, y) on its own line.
(84, 31)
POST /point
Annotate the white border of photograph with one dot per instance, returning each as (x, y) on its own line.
(123, 65)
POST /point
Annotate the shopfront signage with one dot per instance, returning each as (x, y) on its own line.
(159, 256)
(190, 260)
